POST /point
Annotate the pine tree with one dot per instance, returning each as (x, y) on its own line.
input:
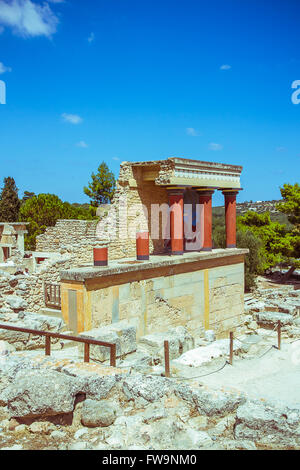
(9, 201)
(102, 187)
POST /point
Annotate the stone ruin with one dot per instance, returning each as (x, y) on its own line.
(192, 300)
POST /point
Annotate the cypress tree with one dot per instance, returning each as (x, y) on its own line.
(9, 201)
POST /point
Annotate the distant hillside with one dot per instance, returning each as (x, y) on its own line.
(259, 207)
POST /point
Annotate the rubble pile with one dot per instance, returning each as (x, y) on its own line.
(59, 402)
(66, 405)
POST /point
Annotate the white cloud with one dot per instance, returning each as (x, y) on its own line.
(72, 118)
(225, 67)
(27, 18)
(116, 159)
(191, 131)
(214, 146)
(4, 69)
(82, 144)
(91, 38)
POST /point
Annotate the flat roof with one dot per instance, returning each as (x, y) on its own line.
(124, 265)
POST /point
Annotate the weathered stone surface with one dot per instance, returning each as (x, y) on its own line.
(120, 333)
(16, 302)
(34, 394)
(41, 427)
(193, 439)
(148, 387)
(154, 412)
(95, 413)
(209, 336)
(96, 381)
(272, 318)
(255, 420)
(5, 349)
(179, 339)
(203, 355)
(210, 402)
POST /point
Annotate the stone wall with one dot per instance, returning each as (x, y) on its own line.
(133, 194)
(197, 298)
(76, 237)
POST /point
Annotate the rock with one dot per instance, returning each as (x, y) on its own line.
(179, 341)
(95, 384)
(34, 394)
(195, 439)
(78, 446)
(139, 361)
(6, 348)
(95, 413)
(16, 302)
(167, 434)
(58, 435)
(215, 402)
(41, 427)
(256, 420)
(199, 422)
(80, 433)
(14, 447)
(253, 325)
(148, 387)
(240, 445)
(210, 402)
(13, 423)
(224, 425)
(203, 355)
(210, 336)
(272, 318)
(20, 429)
(120, 333)
(153, 413)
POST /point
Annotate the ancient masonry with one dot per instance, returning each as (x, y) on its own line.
(199, 289)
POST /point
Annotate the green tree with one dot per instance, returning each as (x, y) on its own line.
(44, 210)
(291, 203)
(254, 261)
(9, 201)
(27, 195)
(272, 235)
(102, 187)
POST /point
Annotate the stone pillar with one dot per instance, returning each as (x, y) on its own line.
(20, 240)
(176, 221)
(230, 217)
(205, 198)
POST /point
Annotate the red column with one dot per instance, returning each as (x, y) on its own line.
(101, 256)
(176, 221)
(230, 218)
(142, 246)
(205, 198)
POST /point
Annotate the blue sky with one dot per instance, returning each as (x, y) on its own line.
(111, 80)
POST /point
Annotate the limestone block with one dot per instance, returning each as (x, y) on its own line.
(95, 413)
(120, 333)
(271, 318)
(179, 339)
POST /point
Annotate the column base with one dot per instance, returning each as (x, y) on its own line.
(100, 263)
(142, 258)
(176, 252)
(206, 249)
(230, 246)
